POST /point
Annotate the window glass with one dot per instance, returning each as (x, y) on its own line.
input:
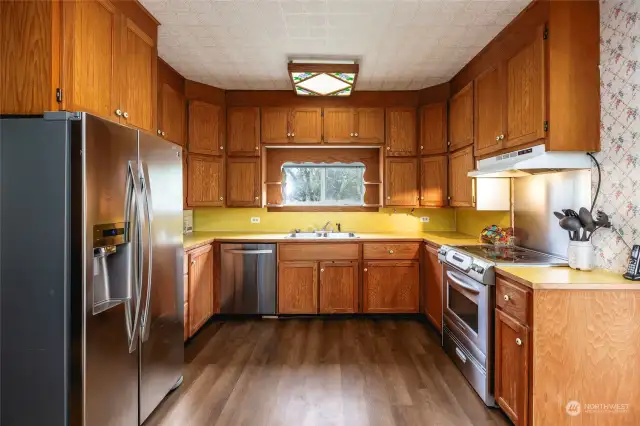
(311, 184)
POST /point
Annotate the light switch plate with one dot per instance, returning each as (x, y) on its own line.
(424, 219)
(255, 220)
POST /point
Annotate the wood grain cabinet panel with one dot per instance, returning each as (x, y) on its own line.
(339, 125)
(461, 118)
(401, 132)
(200, 287)
(298, 287)
(433, 181)
(243, 131)
(432, 274)
(369, 125)
(433, 129)
(243, 182)
(512, 367)
(461, 186)
(391, 251)
(187, 329)
(172, 114)
(401, 182)
(489, 101)
(306, 125)
(391, 287)
(338, 287)
(205, 181)
(275, 125)
(206, 128)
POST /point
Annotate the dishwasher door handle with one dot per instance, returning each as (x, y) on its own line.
(249, 251)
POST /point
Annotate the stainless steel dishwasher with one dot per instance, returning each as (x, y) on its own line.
(248, 279)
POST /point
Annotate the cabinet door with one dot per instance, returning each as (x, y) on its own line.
(433, 181)
(243, 131)
(298, 288)
(339, 125)
(401, 132)
(526, 94)
(306, 125)
(138, 95)
(512, 368)
(187, 329)
(433, 129)
(489, 99)
(243, 182)
(401, 182)
(185, 180)
(173, 113)
(461, 186)
(91, 53)
(206, 128)
(275, 125)
(205, 181)
(200, 287)
(391, 287)
(338, 287)
(433, 287)
(461, 118)
(369, 125)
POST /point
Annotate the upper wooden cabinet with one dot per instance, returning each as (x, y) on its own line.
(287, 125)
(390, 286)
(353, 125)
(172, 114)
(461, 118)
(401, 182)
(205, 181)
(206, 128)
(369, 125)
(79, 56)
(489, 111)
(461, 186)
(338, 291)
(433, 181)
(275, 125)
(433, 129)
(243, 131)
(401, 132)
(243, 182)
(298, 287)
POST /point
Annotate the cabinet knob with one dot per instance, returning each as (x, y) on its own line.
(351, 134)
(421, 146)
(119, 113)
(422, 198)
(388, 198)
(356, 135)
(221, 198)
(288, 134)
(501, 137)
(390, 251)
(221, 148)
(497, 138)
(159, 132)
(388, 148)
(193, 262)
(365, 269)
(257, 148)
(125, 114)
(293, 134)
(518, 341)
(321, 269)
(506, 297)
(257, 198)
(164, 134)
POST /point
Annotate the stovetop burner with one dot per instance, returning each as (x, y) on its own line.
(505, 255)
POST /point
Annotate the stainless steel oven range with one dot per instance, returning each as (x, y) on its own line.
(469, 303)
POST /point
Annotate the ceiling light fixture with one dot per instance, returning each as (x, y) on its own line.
(323, 78)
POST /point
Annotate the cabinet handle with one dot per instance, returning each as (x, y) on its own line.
(518, 341)
(365, 269)
(119, 113)
(506, 297)
(221, 198)
(125, 114)
(159, 132)
(164, 134)
(356, 135)
(390, 251)
(321, 269)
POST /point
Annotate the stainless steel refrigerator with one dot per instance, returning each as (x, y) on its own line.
(91, 273)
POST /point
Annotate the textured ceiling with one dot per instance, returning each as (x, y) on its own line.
(400, 44)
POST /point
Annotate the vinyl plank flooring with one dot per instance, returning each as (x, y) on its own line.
(363, 371)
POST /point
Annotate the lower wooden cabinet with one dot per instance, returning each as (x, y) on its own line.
(201, 282)
(461, 186)
(338, 287)
(391, 286)
(432, 295)
(298, 287)
(243, 182)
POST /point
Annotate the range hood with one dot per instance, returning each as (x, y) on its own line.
(530, 161)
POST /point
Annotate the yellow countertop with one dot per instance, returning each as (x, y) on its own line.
(199, 238)
(565, 278)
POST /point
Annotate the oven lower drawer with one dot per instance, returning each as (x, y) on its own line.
(470, 367)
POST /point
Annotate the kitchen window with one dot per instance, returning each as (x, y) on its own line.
(314, 184)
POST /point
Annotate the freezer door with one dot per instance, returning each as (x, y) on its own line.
(162, 329)
(108, 153)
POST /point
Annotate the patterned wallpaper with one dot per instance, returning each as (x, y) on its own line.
(620, 131)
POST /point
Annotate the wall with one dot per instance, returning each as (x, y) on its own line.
(620, 131)
(472, 222)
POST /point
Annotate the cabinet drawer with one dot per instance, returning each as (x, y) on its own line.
(513, 300)
(393, 251)
(322, 251)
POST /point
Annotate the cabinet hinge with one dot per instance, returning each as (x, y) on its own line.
(545, 34)
(546, 126)
(59, 95)
(322, 113)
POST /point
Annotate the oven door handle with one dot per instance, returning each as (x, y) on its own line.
(456, 280)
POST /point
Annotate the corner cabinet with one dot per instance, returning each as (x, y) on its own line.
(206, 128)
(401, 132)
(243, 182)
(433, 129)
(172, 108)
(205, 181)
(461, 118)
(461, 186)
(433, 181)
(401, 182)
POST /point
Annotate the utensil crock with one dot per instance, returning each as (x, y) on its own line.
(581, 255)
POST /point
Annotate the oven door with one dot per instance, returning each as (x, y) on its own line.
(466, 305)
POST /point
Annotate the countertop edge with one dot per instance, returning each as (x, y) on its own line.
(570, 286)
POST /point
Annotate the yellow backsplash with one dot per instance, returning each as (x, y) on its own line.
(470, 221)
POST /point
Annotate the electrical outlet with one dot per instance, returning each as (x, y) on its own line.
(424, 219)
(255, 220)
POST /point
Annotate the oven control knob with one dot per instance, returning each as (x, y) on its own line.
(477, 268)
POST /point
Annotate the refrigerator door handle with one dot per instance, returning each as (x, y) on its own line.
(145, 191)
(133, 197)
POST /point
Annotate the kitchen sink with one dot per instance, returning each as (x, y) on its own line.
(321, 235)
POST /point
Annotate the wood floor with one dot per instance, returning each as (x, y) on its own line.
(316, 372)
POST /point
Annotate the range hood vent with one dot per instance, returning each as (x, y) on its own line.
(530, 161)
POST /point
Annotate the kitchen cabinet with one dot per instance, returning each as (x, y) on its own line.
(205, 180)
(298, 287)
(185, 180)
(201, 293)
(461, 118)
(390, 286)
(243, 131)
(461, 186)
(401, 182)
(369, 125)
(433, 129)
(274, 125)
(291, 125)
(488, 113)
(432, 295)
(433, 181)
(338, 287)
(243, 182)
(206, 128)
(171, 114)
(353, 125)
(401, 132)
